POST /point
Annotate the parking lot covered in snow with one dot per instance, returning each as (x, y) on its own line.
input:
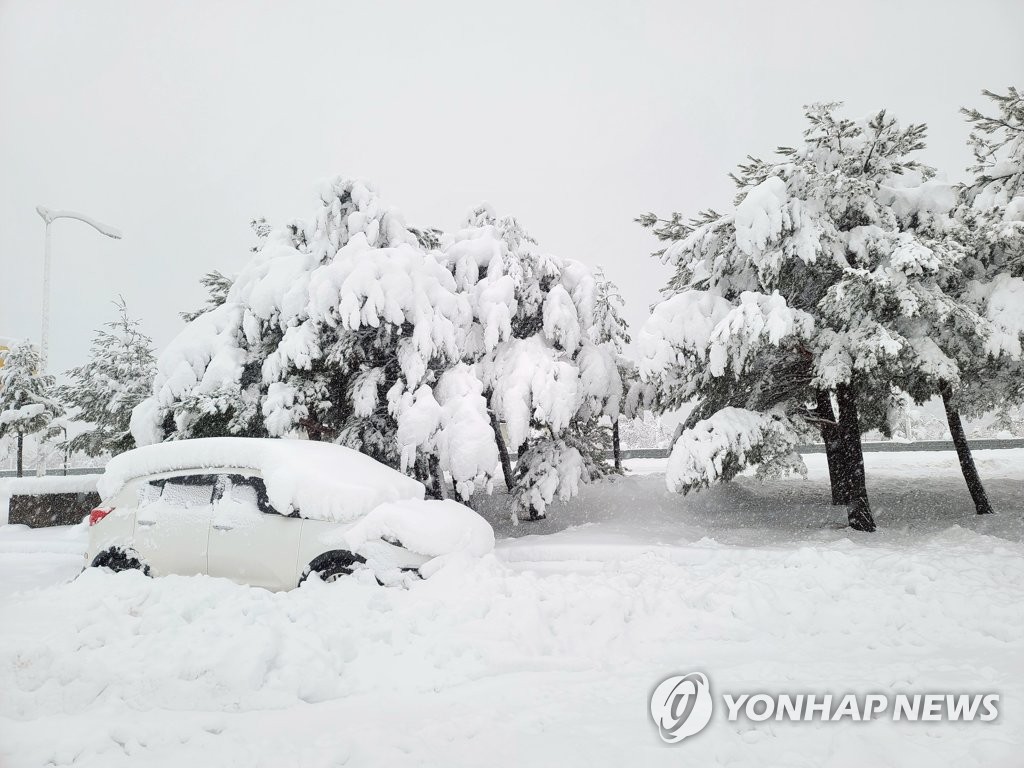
(548, 649)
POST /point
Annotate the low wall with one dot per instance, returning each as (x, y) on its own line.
(43, 509)
(49, 500)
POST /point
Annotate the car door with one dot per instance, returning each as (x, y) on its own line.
(250, 542)
(172, 524)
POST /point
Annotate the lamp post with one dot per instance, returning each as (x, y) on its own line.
(48, 215)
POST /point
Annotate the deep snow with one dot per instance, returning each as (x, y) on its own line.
(545, 652)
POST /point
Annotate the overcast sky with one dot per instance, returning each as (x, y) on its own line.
(179, 122)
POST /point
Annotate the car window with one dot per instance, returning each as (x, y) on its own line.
(243, 494)
(252, 491)
(149, 493)
(188, 490)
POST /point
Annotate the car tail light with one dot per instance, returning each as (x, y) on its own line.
(98, 514)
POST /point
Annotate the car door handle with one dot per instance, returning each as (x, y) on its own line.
(222, 527)
(147, 522)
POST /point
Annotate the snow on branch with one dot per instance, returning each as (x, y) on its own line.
(716, 449)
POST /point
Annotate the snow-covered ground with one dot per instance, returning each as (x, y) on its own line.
(545, 653)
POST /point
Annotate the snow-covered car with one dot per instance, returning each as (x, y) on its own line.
(269, 513)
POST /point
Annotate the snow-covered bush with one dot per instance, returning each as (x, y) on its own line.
(117, 377)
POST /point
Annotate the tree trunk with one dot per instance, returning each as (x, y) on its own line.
(852, 458)
(616, 447)
(21, 453)
(442, 486)
(506, 462)
(963, 452)
(425, 470)
(837, 474)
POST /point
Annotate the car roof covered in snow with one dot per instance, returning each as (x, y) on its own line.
(322, 480)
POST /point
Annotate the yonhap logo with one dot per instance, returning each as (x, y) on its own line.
(681, 706)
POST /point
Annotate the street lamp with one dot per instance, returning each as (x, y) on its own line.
(48, 215)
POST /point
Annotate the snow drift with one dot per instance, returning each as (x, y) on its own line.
(432, 528)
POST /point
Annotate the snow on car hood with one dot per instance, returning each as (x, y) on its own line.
(431, 528)
(322, 480)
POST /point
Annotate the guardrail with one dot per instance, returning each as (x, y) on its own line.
(54, 472)
(922, 445)
(985, 444)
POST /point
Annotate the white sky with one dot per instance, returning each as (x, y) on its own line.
(179, 125)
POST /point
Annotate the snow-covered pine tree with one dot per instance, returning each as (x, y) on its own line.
(27, 402)
(992, 210)
(948, 335)
(739, 357)
(217, 285)
(610, 328)
(341, 328)
(812, 287)
(117, 377)
(262, 229)
(1008, 422)
(545, 355)
(745, 364)
(990, 213)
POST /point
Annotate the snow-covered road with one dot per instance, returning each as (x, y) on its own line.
(545, 653)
